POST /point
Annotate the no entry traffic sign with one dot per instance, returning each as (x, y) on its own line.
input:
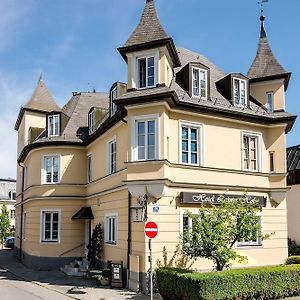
(151, 230)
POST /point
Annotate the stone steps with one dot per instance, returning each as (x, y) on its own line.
(70, 271)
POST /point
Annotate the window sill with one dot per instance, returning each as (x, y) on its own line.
(50, 242)
(110, 244)
(50, 183)
(248, 246)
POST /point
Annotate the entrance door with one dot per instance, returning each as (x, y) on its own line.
(87, 236)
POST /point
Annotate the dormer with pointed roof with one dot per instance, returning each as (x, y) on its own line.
(32, 116)
(268, 78)
(150, 42)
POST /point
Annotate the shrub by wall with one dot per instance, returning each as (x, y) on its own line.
(293, 260)
(241, 284)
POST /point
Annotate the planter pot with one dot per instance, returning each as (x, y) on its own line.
(105, 281)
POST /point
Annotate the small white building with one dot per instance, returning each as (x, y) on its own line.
(293, 196)
(8, 197)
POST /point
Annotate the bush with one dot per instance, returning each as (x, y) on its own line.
(293, 260)
(241, 284)
(294, 248)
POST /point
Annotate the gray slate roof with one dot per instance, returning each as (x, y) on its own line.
(149, 29)
(42, 99)
(293, 165)
(216, 101)
(76, 111)
(265, 63)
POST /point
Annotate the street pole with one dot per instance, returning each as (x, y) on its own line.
(151, 273)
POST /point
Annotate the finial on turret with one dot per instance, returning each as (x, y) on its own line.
(262, 18)
(41, 77)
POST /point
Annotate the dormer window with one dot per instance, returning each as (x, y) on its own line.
(113, 96)
(53, 125)
(270, 102)
(199, 82)
(240, 92)
(91, 122)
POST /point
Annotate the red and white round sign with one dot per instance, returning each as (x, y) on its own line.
(151, 230)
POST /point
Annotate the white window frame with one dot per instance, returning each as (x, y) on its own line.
(91, 122)
(12, 214)
(44, 172)
(90, 168)
(134, 135)
(199, 83)
(113, 107)
(258, 136)
(106, 230)
(135, 67)
(110, 170)
(200, 150)
(42, 226)
(270, 109)
(259, 242)
(246, 92)
(58, 124)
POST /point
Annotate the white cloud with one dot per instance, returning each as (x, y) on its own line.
(13, 93)
(14, 14)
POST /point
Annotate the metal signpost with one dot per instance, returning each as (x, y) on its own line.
(151, 231)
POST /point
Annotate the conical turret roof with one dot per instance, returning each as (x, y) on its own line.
(149, 33)
(42, 99)
(265, 64)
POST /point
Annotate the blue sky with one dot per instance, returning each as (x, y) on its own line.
(73, 42)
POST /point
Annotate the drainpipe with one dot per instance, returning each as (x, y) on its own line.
(22, 210)
(129, 239)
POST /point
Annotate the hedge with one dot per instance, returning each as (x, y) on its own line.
(241, 284)
(293, 260)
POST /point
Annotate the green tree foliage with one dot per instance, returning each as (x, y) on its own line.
(4, 223)
(95, 246)
(216, 229)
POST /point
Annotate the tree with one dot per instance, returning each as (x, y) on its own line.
(216, 229)
(4, 223)
(95, 246)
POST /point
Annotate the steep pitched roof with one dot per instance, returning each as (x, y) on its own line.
(42, 99)
(149, 29)
(149, 33)
(265, 64)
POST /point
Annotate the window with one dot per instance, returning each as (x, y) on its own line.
(145, 139)
(146, 72)
(199, 82)
(111, 229)
(91, 122)
(190, 144)
(12, 195)
(255, 239)
(89, 169)
(240, 92)
(113, 96)
(270, 102)
(272, 163)
(50, 225)
(53, 125)
(12, 214)
(251, 152)
(112, 156)
(51, 169)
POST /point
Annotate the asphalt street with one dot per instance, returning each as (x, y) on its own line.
(11, 288)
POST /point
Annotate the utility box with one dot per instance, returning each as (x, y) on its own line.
(117, 274)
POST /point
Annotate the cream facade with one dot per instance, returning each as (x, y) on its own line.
(181, 126)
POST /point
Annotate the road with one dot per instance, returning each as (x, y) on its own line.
(11, 288)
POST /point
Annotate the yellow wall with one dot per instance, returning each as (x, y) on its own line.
(259, 91)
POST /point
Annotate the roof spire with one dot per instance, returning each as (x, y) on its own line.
(41, 77)
(265, 65)
(149, 32)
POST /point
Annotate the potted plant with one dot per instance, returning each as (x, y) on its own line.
(76, 267)
(105, 277)
(79, 261)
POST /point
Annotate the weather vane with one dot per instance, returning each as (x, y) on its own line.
(261, 3)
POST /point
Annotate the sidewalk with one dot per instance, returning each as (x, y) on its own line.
(73, 287)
